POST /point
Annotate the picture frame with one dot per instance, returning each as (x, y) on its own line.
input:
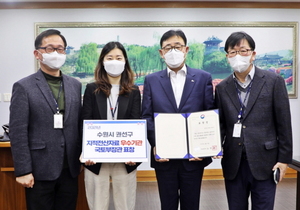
(276, 46)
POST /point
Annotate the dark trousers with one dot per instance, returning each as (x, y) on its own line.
(60, 194)
(239, 189)
(179, 185)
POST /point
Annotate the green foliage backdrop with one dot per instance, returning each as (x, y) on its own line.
(205, 40)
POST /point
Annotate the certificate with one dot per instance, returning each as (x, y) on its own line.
(114, 141)
(187, 135)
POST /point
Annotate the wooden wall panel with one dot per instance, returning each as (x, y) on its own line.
(12, 195)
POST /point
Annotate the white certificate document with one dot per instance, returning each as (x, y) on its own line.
(114, 141)
(170, 135)
(204, 134)
(187, 135)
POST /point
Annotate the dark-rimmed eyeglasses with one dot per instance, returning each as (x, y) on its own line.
(177, 47)
(50, 49)
(242, 52)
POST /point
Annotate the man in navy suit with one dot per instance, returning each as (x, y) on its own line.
(177, 89)
(44, 129)
(255, 125)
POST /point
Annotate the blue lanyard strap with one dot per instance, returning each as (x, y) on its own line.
(242, 104)
(56, 99)
(113, 110)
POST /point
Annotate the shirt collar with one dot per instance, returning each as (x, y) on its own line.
(182, 69)
(249, 76)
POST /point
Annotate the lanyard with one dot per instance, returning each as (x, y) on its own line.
(56, 99)
(242, 110)
(113, 110)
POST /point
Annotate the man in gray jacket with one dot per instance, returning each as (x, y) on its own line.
(44, 129)
(256, 127)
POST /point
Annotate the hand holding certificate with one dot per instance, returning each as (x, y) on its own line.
(187, 135)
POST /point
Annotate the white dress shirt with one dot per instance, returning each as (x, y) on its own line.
(177, 81)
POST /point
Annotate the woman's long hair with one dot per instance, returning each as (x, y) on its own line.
(101, 78)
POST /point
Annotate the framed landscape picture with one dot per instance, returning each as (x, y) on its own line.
(276, 47)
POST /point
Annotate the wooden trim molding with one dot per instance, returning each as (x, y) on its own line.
(149, 175)
(6, 169)
(5, 144)
(290, 173)
(147, 4)
(209, 174)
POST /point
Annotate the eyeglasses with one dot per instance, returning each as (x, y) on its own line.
(177, 47)
(242, 52)
(50, 49)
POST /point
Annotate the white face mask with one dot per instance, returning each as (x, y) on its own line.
(240, 63)
(174, 58)
(114, 68)
(54, 60)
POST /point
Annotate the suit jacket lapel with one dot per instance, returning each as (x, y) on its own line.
(258, 83)
(232, 93)
(122, 106)
(41, 82)
(102, 104)
(167, 87)
(188, 87)
(69, 92)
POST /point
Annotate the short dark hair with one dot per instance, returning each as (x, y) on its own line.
(236, 38)
(49, 32)
(171, 33)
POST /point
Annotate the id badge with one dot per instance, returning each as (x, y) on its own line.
(237, 130)
(58, 121)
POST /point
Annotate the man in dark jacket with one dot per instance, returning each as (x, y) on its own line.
(44, 129)
(255, 125)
